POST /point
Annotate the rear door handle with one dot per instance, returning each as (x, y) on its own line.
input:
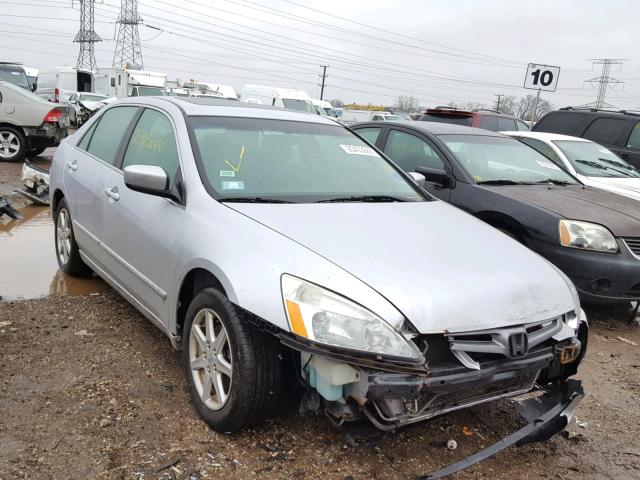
(112, 193)
(72, 165)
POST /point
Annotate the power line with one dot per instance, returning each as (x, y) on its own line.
(128, 49)
(603, 81)
(87, 36)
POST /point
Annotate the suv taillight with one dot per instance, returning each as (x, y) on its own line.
(56, 95)
(53, 116)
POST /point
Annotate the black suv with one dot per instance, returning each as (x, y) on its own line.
(618, 131)
(487, 119)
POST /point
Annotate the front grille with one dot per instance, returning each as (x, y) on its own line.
(437, 402)
(633, 243)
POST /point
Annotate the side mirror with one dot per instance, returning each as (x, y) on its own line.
(435, 175)
(148, 179)
(418, 178)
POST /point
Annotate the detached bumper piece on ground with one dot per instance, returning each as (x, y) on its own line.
(547, 415)
(36, 184)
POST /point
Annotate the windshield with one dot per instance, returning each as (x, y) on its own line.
(301, 105)
(285, 161)
(501, 160)
(15, 76)
(593, 160)
(456, 119)
(148, 91)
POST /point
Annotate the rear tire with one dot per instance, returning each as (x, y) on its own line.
(67, 251)
(233, 369)
(13, 145)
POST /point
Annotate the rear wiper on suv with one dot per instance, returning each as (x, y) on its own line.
(253, 200)
(364, 198)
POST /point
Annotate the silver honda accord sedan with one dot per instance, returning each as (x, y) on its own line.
(269, 244)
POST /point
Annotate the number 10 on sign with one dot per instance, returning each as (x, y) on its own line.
(541, 77)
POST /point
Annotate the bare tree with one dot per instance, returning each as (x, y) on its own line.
(336, 103)
(525, 108)
(408, 104)
(507, 105)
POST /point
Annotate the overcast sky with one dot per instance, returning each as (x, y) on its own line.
(439, 50)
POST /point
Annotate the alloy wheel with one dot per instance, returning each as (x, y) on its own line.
(63, 236)
(210, 358)
(9, 144)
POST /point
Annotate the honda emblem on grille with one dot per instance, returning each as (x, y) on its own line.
(518, 344)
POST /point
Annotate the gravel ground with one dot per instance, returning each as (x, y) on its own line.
(10, 171)
(90, 389)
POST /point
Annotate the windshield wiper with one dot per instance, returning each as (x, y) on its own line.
(593, 164)
(364, 198)
(254, 200)
(555, 182)
(500, 182)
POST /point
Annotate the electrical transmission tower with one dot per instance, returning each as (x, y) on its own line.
(603, 81)
(87, 36)
(128, 49)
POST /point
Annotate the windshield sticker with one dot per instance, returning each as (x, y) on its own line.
(232, 185)
(227, 173)
(359, 150)
(548, 165)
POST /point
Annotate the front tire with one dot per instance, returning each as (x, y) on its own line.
(67, 251)
(233, 370)
(13, 146)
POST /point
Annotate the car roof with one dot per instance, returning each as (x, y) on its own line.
(435, 128)
(212, 106)
(545, 136)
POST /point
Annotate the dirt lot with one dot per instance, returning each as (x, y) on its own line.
(90, 389)
(10, 171)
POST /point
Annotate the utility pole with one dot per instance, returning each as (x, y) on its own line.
(87, 36)
(499, 95)
(128, 49)
(603, 81)
(324, 76)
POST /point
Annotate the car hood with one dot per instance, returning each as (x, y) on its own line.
(623, 186)
(620, 214)
(442, 268)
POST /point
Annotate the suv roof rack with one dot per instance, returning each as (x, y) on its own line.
(488, 110)
(603, 110)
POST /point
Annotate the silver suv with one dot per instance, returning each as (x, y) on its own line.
(253, 236)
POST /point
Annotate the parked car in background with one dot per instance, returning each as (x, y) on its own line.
(376, 297)
(82, 106)
(350, 117)
(487, 119)
(14, 73)
(59, 83)
(618, 131)
(589, 162)
(28, 124)
(592, 235)
(278, 97)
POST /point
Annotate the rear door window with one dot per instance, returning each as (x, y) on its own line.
(410, 152)
(606, 131)
(506, 124)
(634, 137)
(109, 133)
(370, 134)
(560, 122)
(489, 122)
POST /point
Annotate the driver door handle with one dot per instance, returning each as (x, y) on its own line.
(112, 193)
(72, 165)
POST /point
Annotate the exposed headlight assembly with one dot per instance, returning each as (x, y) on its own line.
(586, 236)
(325, 317)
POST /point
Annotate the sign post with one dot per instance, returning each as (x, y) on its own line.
(541, 77)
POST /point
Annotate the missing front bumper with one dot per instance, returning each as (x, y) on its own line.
(547, 415)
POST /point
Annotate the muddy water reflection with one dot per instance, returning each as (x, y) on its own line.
(28, 267)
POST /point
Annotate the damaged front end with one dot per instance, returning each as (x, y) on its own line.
(457, 371)
(35, 182)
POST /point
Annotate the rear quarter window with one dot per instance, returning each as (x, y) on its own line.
(560, 122)
(606, 131)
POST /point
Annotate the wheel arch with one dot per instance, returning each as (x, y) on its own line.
(194, 280)
(503, 221)
(55, 199)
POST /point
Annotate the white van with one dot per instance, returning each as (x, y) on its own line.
(323, 107)
(358, 116)
(278, 97)
(59, 83)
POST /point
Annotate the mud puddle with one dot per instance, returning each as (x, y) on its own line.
(28, 266)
